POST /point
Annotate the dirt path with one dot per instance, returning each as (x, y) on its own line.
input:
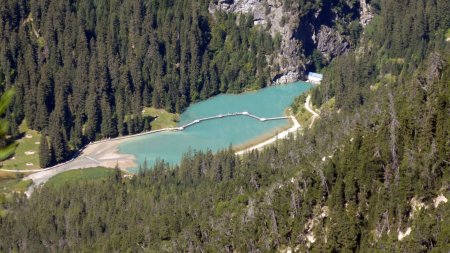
(21, 171)
(103, 154)
(308, 107)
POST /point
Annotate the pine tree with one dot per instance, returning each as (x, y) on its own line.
(45, 158)
(59, 146)
(6, 149)
(108, 125)
(117, 177)
(76, 138)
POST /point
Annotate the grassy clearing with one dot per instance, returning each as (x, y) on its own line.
(376, 86)
(7, 175)
(17, 185)
(396, 60)
(27, 151)
(163, 119)
(14, 185)
(329, 105)
(303, 117)
(90, 174)
(12, 182)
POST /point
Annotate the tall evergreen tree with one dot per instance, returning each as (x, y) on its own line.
(59, 146)
(45, 155)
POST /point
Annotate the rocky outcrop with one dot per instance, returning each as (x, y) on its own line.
(330, 43)
(255, 7)
(287, 66)
(432, 73)
(435, 67)
(366, 14)
(288, 77)
(302, 31)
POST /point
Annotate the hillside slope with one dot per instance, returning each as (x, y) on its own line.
(371, 175)
(377, 179)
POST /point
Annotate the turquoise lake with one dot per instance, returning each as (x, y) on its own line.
(220, 133)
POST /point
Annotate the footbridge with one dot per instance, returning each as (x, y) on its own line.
(180, 128)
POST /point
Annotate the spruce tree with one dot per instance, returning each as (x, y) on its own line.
(45, 158)
(59, 146)
(6, 148)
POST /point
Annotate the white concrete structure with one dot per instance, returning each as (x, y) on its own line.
(314, 78)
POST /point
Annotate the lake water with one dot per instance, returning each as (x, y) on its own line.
(220, 133)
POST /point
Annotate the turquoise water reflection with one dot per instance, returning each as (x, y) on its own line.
(219, 133)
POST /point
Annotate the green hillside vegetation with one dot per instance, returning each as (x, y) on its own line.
(80, 175)
(298, 109)
(370, 170)
(305, 117)
(350, 182)
(162, 118)
(26, 154)
(85, 70)
(14, 185)
(12, 182)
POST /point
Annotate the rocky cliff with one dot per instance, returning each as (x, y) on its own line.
(304, 28)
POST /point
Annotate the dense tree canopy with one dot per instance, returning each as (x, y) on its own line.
(357, 199)
(82, 69)
(369, 170)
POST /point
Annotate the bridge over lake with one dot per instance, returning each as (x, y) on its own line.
(230, 115)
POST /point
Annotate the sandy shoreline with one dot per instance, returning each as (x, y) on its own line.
(282, 135)
(107, 154)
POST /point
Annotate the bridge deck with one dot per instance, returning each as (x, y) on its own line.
(230, 115)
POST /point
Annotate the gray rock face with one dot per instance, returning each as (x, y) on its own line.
(289, 77)
(330, 43)
(299, 36)
(256, 7)
(365, 13)
(287, 65)
(432, 73)
(435, 68)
